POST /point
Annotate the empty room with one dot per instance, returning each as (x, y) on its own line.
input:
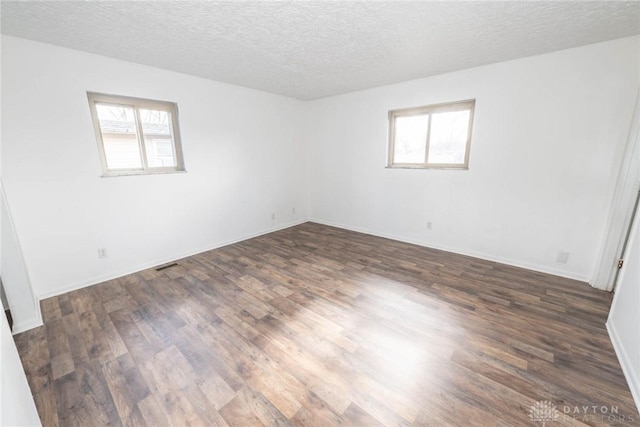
(320, 213)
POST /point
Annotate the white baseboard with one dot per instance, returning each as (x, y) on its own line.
(25, 326)
(154, 263)
(628, 368)
(484, 256)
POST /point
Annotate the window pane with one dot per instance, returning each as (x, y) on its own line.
(119, 135)
(410, 139)
(158, 140)
(448, 138)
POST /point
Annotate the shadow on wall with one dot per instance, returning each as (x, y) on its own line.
(5, 305)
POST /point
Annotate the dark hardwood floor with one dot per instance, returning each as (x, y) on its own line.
(317, 326)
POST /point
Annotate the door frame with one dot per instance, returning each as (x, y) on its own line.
(620, 213)
(625, 241)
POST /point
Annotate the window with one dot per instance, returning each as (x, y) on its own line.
(433, 136)
(136, 136)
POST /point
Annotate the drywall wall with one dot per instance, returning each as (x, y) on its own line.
(242, 151)
(23, 305)
(547, 140)
(624, 318)
(18, 292)
(17, 407)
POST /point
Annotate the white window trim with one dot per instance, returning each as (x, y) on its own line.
(468, 104)
(137, 103)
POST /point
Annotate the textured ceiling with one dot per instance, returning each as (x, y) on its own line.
(313, 49)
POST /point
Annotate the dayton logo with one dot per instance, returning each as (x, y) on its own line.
(543, 412)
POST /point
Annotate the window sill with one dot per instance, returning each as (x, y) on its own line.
(137, 173)
(456, 168)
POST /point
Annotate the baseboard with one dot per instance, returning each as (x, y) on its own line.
(633, 381)
(474, 254)
(154, 263)
(157, 262)
(25, 326)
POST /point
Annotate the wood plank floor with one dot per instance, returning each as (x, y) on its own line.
(317, 326)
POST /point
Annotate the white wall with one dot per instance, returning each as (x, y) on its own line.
(23, 305)
(624, 317)
(242, 150)
(17, 407)
(547, 139)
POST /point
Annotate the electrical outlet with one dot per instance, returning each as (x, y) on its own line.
(562, 257)
(293, 211)
(429, 225)
(102, 253)
(273, 216)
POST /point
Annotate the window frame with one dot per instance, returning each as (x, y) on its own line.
(464, 105)
(136, 104)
